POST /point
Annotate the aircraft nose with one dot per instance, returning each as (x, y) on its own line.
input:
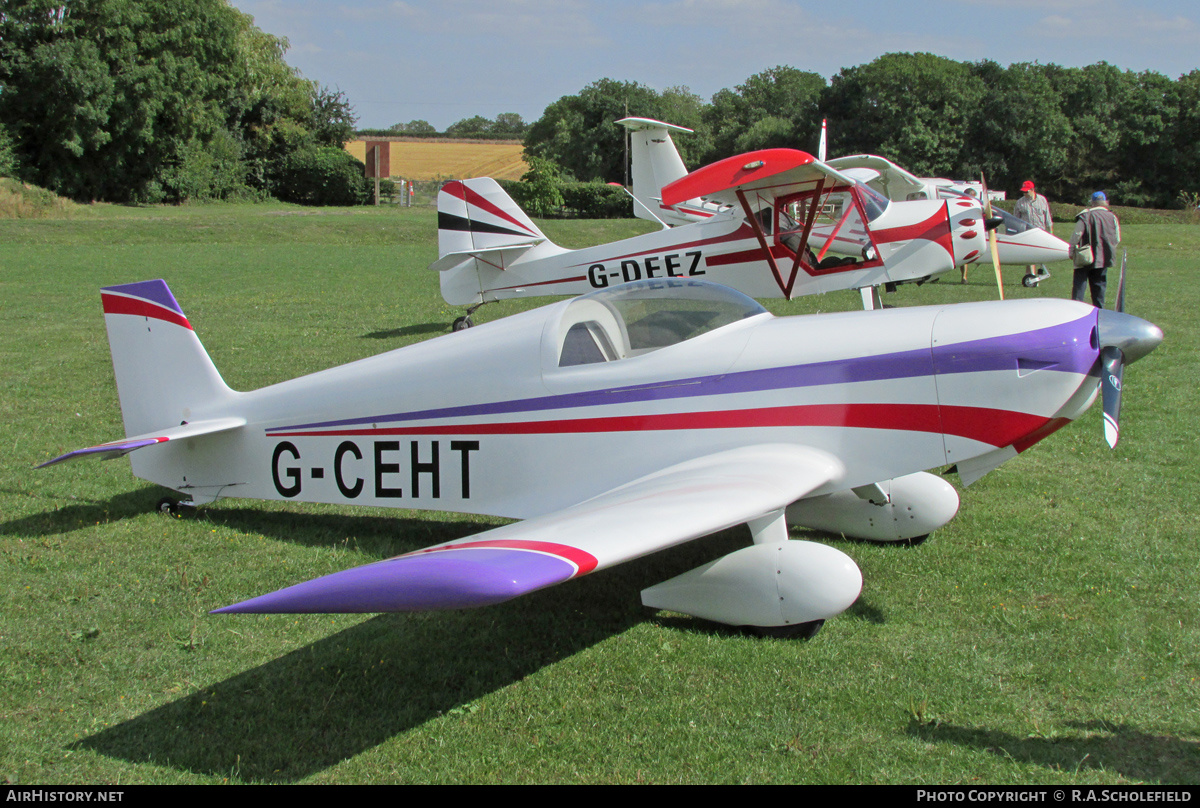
(1134, 336)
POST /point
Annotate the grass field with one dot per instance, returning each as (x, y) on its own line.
(1047, 635)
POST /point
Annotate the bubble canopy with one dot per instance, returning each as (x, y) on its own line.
(642, 316)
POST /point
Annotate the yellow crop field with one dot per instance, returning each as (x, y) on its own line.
(421, 160)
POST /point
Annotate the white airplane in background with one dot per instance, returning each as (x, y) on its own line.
(621, 423)
(899, 184)
(773, 223)
(655, 159)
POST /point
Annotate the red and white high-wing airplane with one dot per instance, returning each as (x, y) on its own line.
(620, 423)
(656, 162)
(784, 225)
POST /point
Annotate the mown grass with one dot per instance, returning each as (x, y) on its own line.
(1046, 635)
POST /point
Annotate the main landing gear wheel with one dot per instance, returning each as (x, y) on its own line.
(1033, 279)
(462, 323)
(796, 631)
(169, 505)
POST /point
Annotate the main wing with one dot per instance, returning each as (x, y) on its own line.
(669, 507)
(889, 179)
(770, 172)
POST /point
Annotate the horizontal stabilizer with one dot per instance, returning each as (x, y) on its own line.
(119, 448)
(493, 255)
(680, 503)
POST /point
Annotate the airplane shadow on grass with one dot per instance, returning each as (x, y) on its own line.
(303, 712)
(410, 331)
(1100, 746)
(83, 513)
(336, 698)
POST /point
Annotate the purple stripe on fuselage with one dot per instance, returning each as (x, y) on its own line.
(154, 291)
(450, 579)
(1057, 348)
(995, 353)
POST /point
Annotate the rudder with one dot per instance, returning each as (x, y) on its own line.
(164, 376)
(481, 230)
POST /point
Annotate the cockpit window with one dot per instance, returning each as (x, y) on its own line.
(1012, 225)
(873, 202)
(643, 316)
(586, 342)
(839, 237)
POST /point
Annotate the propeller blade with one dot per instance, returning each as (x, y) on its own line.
(1112, 363)
(1123, 339)
(1121, 283)
(987, 215)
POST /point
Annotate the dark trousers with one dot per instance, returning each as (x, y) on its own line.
(1094, 277)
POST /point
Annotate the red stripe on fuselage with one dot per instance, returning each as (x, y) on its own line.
(936, 229)
(994, 427)
(742, 233)
(118, 304)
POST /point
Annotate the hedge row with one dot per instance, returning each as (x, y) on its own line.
(581, 200)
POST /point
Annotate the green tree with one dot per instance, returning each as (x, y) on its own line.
(580, 134)
(775, 108)
(1092, 97)
(8, 160)
(322, 175)
(509, 123)
(138, 99)
(914, 108)
(542, 196)
(104, 94)
(1184, 167)
(475, 125)
(1147, 164)
(1019, 131)
(417, 127)
(331, 119)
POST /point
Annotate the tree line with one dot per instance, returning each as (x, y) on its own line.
(129, 100)
(505, 126)
(1071, 130)
(133, 100)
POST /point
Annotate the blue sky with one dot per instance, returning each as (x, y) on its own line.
(400, 60)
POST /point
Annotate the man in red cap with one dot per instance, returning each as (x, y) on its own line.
(1034, 208)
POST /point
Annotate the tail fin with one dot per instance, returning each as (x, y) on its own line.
(481, 230)
(163, 373)
(656, 162)
(476, 215)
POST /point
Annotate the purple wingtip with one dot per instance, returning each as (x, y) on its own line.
(449, 579)
(155, 291)
(106, 451)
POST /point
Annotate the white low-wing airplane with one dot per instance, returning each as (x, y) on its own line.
(620, 423)
(782, 224)
(656, 162)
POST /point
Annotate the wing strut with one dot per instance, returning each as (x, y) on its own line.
(808, 226)
(784, 286)
(766, 248)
